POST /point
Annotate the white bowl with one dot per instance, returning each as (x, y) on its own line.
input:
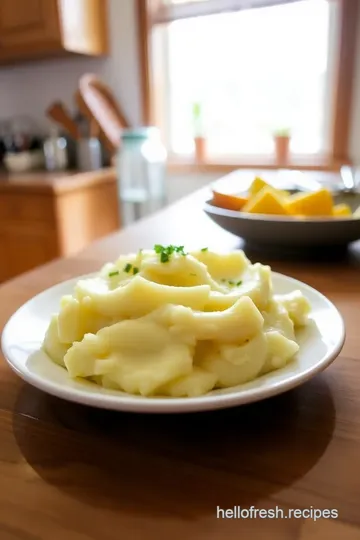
(24, 161)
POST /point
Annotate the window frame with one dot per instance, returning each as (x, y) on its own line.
(154, 12)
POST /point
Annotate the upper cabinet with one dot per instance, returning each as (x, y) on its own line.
(44, 28)
(28, 27)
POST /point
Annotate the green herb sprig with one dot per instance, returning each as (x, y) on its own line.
(165, 252)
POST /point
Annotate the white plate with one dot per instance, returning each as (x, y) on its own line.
(320, 343)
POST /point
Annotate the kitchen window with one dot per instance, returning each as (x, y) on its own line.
(239, 70)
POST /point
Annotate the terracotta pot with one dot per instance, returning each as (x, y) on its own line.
(200, 149)
(282, 145)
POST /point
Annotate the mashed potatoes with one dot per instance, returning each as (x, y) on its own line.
(165, 322)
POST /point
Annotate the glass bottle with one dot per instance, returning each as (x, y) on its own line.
(141, 168)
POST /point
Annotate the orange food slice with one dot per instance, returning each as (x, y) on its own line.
(229, 202)
(319, 203)
(258, 184)
(266, 201)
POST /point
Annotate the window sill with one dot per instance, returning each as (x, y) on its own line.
(302, 163)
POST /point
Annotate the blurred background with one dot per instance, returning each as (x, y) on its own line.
(225, 85)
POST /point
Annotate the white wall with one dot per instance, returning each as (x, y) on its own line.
(179, 185)
(29, 89)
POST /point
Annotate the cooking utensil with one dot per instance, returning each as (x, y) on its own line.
(104, 108)
(94, 129)
(83, 124)
(86, 113)
(302, 182)
(81, 105)
(349, 177)
(58, 113)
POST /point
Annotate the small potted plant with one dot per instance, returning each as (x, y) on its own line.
(198, 130)
(282, 145)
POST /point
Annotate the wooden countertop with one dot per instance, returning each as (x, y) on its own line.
(74, 473)
(56, 182)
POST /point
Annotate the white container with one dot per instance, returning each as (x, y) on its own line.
(56, 152)
(89, 154)
(141, 167)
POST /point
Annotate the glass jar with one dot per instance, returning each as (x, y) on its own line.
(141, 168)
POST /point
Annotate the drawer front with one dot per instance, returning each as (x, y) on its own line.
(27, 207)
(25, 247)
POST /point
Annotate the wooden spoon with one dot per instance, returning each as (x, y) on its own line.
(101, 102)
(86, 112)
(94, 129)
(57, 113)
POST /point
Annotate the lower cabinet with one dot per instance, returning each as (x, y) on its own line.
(37, 228)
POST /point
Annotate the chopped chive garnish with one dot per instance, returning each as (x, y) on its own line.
(204, 249)
(166, 251)
(135, 270)
(232, 283)
(114, 273)
(127, 267)
(193, 275)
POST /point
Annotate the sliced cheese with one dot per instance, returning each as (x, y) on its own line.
(342, 210)
(258, 184)
(319, 203)
(267, 201)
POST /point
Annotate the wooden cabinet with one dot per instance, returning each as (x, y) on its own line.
(53, 216)
(43, 28)
(28, 23)
(26, 247)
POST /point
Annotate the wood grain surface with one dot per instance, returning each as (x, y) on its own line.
(34, 29)
(55, 182)
(76, 473)
(48, 215)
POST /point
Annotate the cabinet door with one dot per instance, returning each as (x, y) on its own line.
(28, 27)
(25, 249)
(4, 260)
